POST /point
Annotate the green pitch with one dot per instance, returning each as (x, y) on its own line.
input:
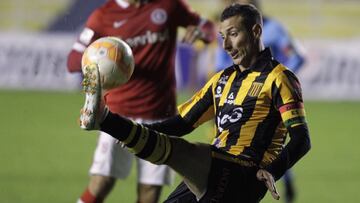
(44, 156)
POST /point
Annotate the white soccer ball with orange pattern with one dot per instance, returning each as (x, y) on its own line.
(114, 59)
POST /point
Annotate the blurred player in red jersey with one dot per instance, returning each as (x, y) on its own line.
(150, 28)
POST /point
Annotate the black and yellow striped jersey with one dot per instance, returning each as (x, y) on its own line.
(251, 109)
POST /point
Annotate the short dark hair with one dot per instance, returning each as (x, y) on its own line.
(248, 12)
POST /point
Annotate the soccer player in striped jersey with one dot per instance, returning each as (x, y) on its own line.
(255, 104)
(285, 50)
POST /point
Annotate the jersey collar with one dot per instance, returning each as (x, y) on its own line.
(122, 3)
(125, 4)
(263, 60)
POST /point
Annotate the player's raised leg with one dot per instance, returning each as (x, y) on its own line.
(148, 144)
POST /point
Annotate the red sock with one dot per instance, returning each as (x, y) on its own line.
(87, 197)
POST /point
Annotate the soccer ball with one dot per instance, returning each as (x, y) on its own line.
(114, 59)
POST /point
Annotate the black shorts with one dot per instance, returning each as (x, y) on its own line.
(231, 180)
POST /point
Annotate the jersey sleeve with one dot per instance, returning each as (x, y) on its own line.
(200, 108)
(90, 33)
(188, 16)
(288, 100)
(287, 97)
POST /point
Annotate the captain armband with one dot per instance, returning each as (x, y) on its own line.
(293, 114)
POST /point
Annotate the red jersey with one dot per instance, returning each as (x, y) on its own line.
(151, 31)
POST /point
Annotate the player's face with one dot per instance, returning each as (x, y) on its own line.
(238, 41)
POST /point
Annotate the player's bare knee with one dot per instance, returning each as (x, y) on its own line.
(148, 193)
(101, 184)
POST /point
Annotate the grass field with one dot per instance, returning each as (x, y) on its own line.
(45, 157)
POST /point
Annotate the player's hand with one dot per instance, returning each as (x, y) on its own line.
(192, 33)
(269, 181)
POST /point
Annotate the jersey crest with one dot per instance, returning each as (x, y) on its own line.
(255, 89)
(159, 16)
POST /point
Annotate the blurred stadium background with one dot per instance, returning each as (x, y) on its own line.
(44, 156)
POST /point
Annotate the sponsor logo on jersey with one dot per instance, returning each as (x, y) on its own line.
(221, 83)
(118, 24)
(159, 16)
(148, 38)
(234, 116)
(223, 80)
(255, 89)
(230, 99)
(218, 91)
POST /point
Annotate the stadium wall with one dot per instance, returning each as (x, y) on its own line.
(332, 70)
(38, 62)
